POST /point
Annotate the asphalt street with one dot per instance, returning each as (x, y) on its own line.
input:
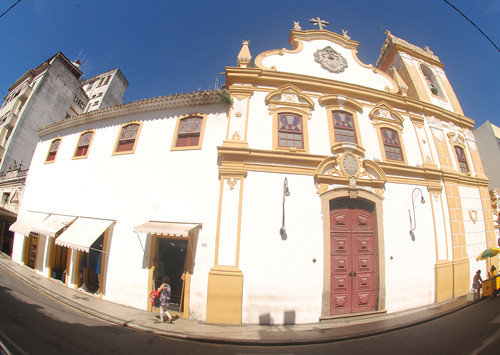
(33, 323)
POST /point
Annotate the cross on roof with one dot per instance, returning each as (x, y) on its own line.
(319, 22)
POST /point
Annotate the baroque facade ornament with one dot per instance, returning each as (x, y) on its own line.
(231, 182)
(330, 60)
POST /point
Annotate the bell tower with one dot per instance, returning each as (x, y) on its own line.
(418, 72)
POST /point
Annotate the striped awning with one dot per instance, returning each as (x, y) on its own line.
(172, 229)
(53, 224)
(83, 233)
(24, 224)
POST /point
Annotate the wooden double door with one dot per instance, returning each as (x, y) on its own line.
(354, 276)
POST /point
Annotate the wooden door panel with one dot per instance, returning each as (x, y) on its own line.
(340, 243)
(363, 243)
(365, 301)
(340, 303)
(341, 264)
(340, 220)
(361, 221)
(341, 283)
(363, 264)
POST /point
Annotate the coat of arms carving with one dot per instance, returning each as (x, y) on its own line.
(330, 60)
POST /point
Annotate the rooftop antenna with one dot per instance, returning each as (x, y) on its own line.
(216, 85)
(81, 59)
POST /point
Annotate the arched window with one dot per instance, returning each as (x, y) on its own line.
(127, 138)
(188, 134)
(462, 160)
(431, 80)
(54, 147)
(343, 125)
(290, 131)
(392, 145)
(82, 149)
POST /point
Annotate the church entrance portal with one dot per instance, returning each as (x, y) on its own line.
(353, 274)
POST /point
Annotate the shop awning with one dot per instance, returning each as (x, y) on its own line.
(52, 224)
(167, 228)
(83, 233)
(24, 225)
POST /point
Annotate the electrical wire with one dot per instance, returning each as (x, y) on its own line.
(473, 24)
(10, 8)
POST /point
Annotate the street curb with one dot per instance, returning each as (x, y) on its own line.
(296, 340)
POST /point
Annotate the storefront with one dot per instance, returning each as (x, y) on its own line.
(87, 241)
(172, 255)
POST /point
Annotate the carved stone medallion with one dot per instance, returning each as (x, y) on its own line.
(330, 60)
(350, 164)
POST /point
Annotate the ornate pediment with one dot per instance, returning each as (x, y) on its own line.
(289, 96)
(350, 170)
(384, 113)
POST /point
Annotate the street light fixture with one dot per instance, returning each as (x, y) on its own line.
(413, 223)
(286, 192)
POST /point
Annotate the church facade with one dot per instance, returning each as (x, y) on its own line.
(312, 186)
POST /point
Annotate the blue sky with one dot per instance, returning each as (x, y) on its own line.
(165, 47)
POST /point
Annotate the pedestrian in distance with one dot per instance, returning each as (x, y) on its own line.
(165, 292)
(476, 284)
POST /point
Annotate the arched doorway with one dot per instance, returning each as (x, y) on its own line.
(354, 277)
(353, 271)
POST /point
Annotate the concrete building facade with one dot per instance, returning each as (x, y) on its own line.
(51, 92)
(488, 142)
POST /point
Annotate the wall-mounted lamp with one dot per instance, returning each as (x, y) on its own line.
(413, 223)
(286, 192)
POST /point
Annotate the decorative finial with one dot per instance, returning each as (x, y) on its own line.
(296, 25)
(244, 57)
(344, 33)
(319, 22)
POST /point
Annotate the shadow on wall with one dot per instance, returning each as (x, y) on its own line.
(288, 319)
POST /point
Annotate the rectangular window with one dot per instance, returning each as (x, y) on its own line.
(392, 146)
(462, 160)
(290, 131)
(343, 125)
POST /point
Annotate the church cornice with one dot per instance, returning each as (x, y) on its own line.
(141, 106)
(258, 80)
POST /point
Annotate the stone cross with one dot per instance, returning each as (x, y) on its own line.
(319, 22)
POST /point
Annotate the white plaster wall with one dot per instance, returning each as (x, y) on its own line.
(409, 271)
(475, 232)
(151, 184)
(281, 284)
(260, 123)
(303, 63)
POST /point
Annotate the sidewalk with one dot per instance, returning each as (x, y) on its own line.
(325, 331)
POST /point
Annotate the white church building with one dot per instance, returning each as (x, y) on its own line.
(312, 186)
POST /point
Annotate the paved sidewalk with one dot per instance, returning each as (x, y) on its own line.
(325, 331)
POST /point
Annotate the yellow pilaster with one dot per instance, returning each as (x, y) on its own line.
(225, 279)
(461, 265)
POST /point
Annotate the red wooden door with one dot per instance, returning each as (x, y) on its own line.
(353, 258)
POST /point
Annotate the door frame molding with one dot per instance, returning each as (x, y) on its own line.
(379, 235)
